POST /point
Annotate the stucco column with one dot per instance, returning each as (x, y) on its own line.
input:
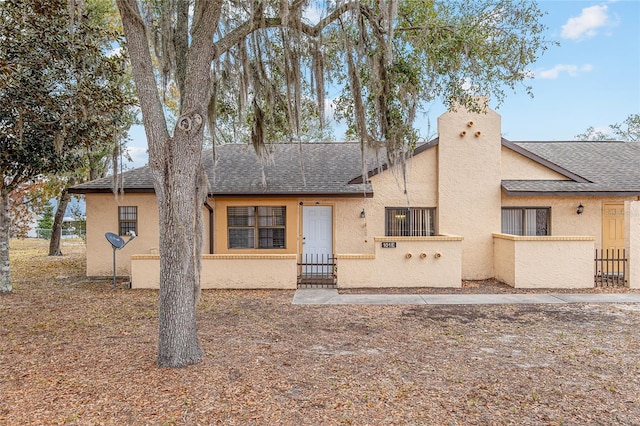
(632, 241)
(469, 192)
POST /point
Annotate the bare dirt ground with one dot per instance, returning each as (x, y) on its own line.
(73, 351)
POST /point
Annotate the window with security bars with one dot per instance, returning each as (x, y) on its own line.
(127, 219)
(260, 227)
(409, 222)
(526, 221)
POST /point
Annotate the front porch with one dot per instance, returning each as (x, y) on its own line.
(397, 262)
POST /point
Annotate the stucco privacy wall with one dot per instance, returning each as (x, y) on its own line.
(632, 241)
(544, 262)
(469, 193)
(414, 262)
(103, 211)
(248, 271)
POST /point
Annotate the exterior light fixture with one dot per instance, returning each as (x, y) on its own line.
(580, 209)
(362, 214)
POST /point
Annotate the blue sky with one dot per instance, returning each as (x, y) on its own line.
(591, 79)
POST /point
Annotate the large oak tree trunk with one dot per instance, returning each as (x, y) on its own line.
(5, 223)
(176, 166)
(178, 342)
(58, 219)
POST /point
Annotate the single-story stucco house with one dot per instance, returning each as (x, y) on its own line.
(476, 206)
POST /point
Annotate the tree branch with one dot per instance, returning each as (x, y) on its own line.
(260, 22)
(154, 121)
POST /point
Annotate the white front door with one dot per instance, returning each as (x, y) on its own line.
(317, 238)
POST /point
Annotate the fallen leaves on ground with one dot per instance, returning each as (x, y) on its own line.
(74, 351)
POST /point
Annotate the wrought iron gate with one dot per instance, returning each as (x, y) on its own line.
(317, 271)
(610, 268)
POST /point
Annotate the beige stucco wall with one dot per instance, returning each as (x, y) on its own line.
(389, 189)
(504, 255)
(415, 262)
(632, 241)
(564, 219)
(516, 166)
(469, 178)
(544, 262)
(352, 234)
(249, 271)
(102, 214)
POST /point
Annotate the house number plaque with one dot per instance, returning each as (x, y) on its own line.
(388, 244)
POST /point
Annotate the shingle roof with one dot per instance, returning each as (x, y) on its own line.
(591, 168)
(288, 169)
(136, 180)
(313, 168)
(605, 167)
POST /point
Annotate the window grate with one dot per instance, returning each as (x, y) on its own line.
(127, 219)
(409, 222)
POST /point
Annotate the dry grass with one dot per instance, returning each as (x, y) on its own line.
(74, 351)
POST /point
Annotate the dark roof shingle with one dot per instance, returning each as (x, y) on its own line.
(592, 168)
(287, 169)
(607, 167)
(312, 168)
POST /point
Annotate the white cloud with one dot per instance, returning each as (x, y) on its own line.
(586, 25)
(572, 70)
(138, 155)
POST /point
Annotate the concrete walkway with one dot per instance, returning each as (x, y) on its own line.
(331, 297)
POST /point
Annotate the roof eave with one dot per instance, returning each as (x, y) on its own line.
(528, 193)
(109, 190)
(366, 194)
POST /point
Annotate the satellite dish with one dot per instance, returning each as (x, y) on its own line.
(117, 243)
(115, 240)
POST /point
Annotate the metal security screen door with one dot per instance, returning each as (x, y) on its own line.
(317, 244)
